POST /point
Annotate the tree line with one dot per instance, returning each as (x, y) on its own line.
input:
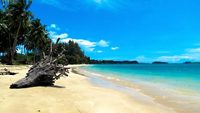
(19, 27)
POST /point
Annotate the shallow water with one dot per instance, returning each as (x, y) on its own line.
(180, 77)
(176, 86)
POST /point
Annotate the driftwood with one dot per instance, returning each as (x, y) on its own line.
(43, 73)
(6, 72)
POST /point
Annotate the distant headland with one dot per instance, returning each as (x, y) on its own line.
(113, 62)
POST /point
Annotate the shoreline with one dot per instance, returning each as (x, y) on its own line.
(73, 94)
(181, 102)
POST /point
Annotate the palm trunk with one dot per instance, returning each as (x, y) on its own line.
(14, 45)
(34, 53)
(34, 56)
(9, 52)
(26, 53)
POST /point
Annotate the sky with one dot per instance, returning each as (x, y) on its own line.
(143, 30)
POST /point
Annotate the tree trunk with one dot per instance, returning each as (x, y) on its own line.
(43, 73)
(34, 55)
(13, 50)
(9, 58)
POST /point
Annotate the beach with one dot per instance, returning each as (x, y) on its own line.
(73, 94)
(174, 86)
(129, 56)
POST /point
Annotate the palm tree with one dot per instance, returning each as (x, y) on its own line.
(17, 19)
(6, 3)
(37, 38)
(5, 38)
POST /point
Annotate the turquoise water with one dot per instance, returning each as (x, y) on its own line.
(176, 76)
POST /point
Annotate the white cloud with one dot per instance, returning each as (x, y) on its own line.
(172, 59)
(143, 59)
(63, 35)
(99, 51)
(52, 33)
(54, 36)
(193, 53)
(86, 44)
(190, 54)
(103, 43)
(114, 48)
(175, 58)
(90, 49)
(53, 27)
(98, 1)
(193, 50)
(82, 42)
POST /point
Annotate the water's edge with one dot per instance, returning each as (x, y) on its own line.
(181, 103)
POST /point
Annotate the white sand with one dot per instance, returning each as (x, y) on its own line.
(75, 95)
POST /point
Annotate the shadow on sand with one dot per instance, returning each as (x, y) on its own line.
(53, 86)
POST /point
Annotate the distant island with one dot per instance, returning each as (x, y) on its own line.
(189, 62)
(159, 62)
(112, 62)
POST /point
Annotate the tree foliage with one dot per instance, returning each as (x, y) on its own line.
(18, 27)
(15, 23)
(73, 53)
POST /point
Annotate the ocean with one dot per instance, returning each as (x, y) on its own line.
(184, 78)
(176, 86)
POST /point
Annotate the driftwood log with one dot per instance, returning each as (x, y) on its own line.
(43, 73)
(6, 72)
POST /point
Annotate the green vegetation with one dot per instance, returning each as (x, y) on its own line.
(73, 53)
(18, 27)
(112, 62)
(159, 62)
(189, 62)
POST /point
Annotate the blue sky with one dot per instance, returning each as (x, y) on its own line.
(143, 30)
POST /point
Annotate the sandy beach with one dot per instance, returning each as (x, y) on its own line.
(73, 94)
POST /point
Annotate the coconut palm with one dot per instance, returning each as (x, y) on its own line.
(5, 38)
(17, 19)
(6, 3)
(37, 37)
